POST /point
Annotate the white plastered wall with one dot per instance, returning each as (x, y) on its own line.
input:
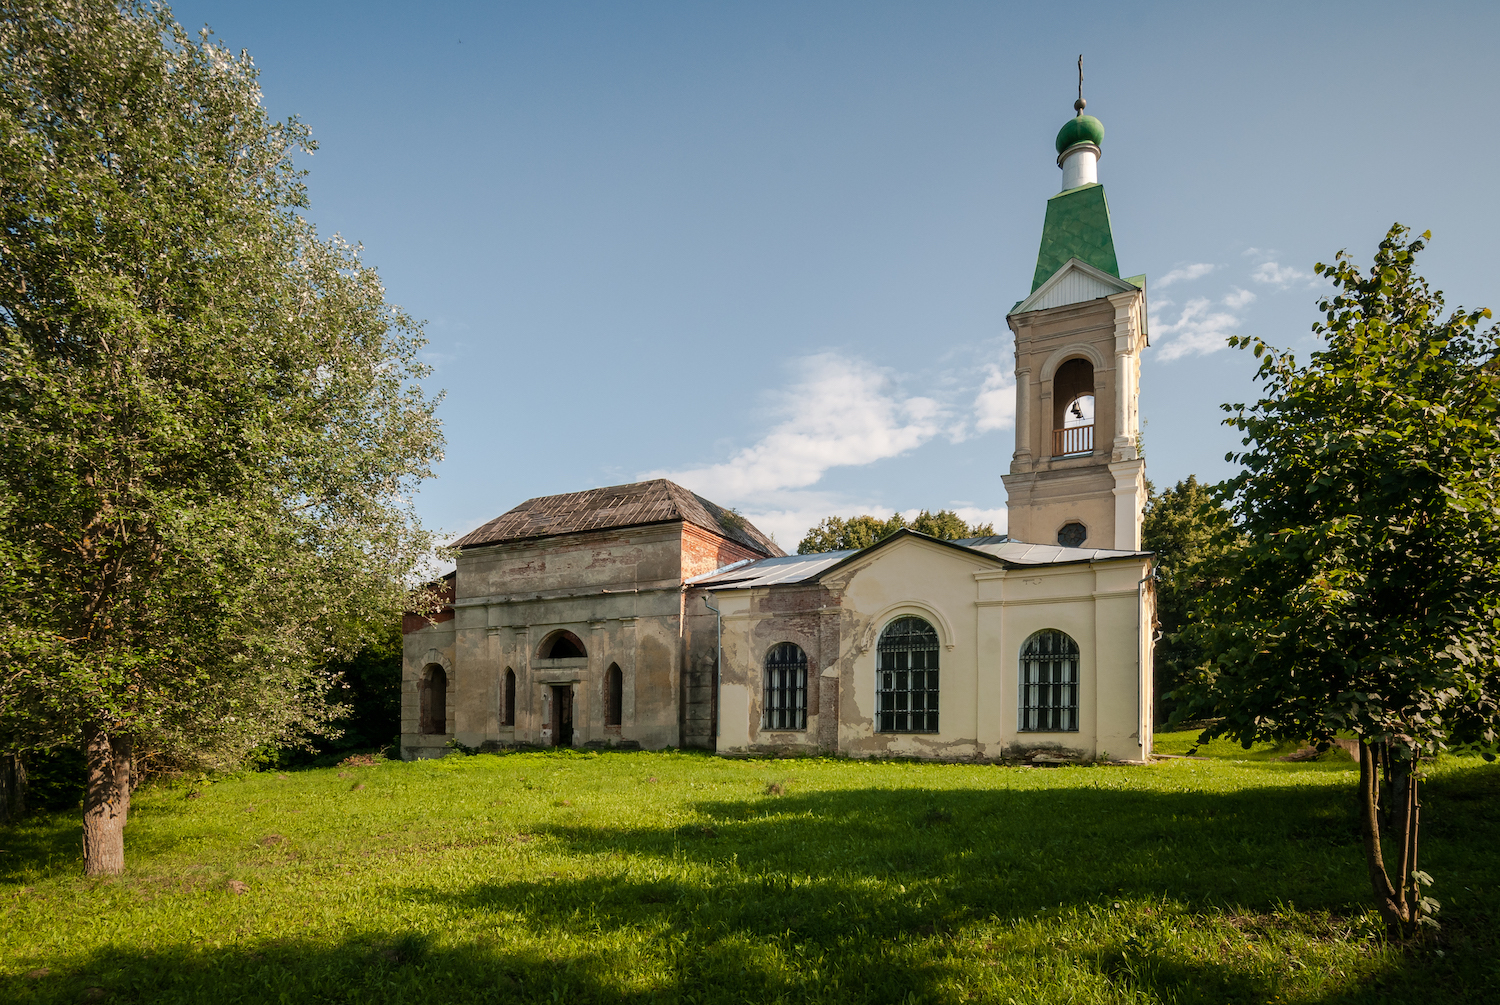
(983, 614)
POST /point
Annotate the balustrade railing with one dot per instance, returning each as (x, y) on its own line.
(1073, 440)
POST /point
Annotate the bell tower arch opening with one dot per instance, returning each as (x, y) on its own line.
(1073, 409)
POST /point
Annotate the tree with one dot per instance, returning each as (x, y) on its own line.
(1359, 589)
(835, 533)
(209, 416)
(1180, 525)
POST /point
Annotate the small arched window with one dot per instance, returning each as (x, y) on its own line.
(786, 687)
(434, 700)
(906, 678)
(508, 699)
(563, 645)
(1049, 683)
(614, 695)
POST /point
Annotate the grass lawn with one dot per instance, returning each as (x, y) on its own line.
(673, 877)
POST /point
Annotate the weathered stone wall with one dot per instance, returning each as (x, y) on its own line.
(620, 592)
(755, 621)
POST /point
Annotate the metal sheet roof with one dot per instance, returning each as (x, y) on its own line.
(805, 568)
(1021, 553)
(771, 571)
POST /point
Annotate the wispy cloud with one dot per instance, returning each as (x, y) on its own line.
(995, 405)
(1184, 273)
(1276, 274)
(1198, 330)
(843, 412)
(1238, 298)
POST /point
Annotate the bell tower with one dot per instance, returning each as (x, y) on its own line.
(1077, 477)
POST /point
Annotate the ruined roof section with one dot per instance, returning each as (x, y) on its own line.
(656, 501)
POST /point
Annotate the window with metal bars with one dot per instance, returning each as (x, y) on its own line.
(906, 678)
(786, 687)
(1049, 683)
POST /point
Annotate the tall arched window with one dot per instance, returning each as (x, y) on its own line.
(906, 681)
(786, 687)
(1049, 683)
(434, 700)
(508, 699)
(614, 695)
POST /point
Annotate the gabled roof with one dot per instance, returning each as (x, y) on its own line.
(636, 504)
(792, 569)
(1076, 282)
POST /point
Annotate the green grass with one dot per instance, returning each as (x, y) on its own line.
(671, 877)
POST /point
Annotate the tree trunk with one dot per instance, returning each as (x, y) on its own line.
(12, 787)
(106, 801)
(1399, 902)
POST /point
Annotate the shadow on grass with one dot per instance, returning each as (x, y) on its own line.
(875, 895)
(41, 843)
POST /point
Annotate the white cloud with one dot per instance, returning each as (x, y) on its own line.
(995, 405)
(1198, 330)
(1276, 274)
(1185, 273)
(1238, 298)
(973, 515)
(844, 412)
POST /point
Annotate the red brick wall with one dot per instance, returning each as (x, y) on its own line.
(416, 622)
(704, 551)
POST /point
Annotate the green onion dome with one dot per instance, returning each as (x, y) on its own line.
(1081, 129)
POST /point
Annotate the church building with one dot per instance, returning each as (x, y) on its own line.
(646, 616)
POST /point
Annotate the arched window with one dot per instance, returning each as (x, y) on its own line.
(906, 681)
(1049, 683)
(786, 687)
(434, 700)
(508, 699)
(614, 695)
(563, 645)
(1073, 408)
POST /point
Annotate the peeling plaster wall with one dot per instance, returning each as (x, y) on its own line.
(983, 614)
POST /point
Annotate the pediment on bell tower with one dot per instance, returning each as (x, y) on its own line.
(1076, 282)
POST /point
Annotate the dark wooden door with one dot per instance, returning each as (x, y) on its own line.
(562, 715)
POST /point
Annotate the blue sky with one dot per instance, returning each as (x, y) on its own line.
(767, 249)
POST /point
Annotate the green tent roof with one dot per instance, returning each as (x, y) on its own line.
(1077, 227)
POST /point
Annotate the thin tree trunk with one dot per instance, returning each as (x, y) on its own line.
(1389, 899)
(106, 801)
(12, 787)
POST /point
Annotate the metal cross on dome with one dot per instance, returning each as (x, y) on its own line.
(1080, 104)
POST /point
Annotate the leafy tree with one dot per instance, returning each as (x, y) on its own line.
(209, 416)
(1360, 589)
(837, 533)
(1180, 525)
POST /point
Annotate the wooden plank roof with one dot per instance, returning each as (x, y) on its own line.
(636, 504)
